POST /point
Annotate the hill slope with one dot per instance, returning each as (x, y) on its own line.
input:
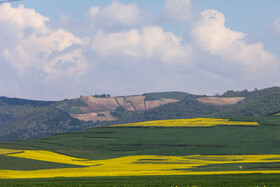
(255, 103)
(23, 119)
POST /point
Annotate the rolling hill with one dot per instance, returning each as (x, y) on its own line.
(25, 119)
(244, 140)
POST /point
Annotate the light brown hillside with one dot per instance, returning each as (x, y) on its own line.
(103, 106)
(157, 103)
(137, 101)
(127, 105)
(100, 104)
(94, 116)
(220, 100)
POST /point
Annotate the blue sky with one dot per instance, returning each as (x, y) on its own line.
(246, 16)
(62, 49)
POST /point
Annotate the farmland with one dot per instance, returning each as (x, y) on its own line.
(246, 146)
(194, 122)
(138, 165)
(166, 181)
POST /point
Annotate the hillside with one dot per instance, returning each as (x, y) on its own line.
(230, 104)
(24, 119)
(99, 108)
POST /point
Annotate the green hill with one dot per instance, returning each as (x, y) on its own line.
(257, 103)
(25, 119)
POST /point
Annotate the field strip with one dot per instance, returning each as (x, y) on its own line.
(47, 156)
(193, 122)
(138, 165)
(91, 172)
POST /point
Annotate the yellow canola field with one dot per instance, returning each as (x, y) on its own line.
(134, 165)
(8, 151)
(49, 156)
(194, 122)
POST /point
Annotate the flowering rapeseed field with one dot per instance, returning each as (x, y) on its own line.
(194, 122)
(47, 156)
(138, 165)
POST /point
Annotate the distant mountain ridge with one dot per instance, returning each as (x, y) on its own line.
(24, 119)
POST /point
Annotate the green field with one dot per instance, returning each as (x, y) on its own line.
(114, 142)
(154, 181)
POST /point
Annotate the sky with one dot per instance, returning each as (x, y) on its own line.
(52, 50)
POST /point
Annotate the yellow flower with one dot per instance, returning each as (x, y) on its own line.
(138, 165)
(194, 122)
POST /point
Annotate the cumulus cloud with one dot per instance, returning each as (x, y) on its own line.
(117, 14)
(150, 42)
(116, 50)
(177, 10)
(28, 43)
(211, 35)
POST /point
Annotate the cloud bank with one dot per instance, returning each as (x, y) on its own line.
(30, 44)
(211, 35)
(122, 49)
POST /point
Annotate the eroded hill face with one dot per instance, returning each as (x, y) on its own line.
(89, 108)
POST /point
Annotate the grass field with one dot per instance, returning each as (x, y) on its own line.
(106, 143)
(252, 180)
(150, 150)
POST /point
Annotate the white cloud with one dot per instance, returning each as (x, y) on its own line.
(21, 17)
(211, 35)
(35, 46)
(94, 11)
(177, 10)
(131, 54)
(117, 14)
(151, 42)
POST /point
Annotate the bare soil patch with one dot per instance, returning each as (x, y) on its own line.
(100, 104)
(137, 101)
(94, 116)
(220, 100)
(157, 103)
(126, 105)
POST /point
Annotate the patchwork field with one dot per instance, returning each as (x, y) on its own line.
(191, 147)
